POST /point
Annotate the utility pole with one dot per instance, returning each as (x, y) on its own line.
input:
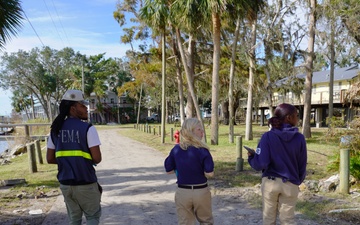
(163, 84)
(82, 77)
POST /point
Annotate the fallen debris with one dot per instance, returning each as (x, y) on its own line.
(343, 210)
(12, 182)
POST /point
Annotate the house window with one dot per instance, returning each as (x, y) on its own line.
(337, 87)
(124, 101)
(112, 101)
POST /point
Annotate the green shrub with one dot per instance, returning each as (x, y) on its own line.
(353, 132)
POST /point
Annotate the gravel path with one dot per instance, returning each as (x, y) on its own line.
(138, 191)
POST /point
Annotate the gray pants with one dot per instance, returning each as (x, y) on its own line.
(81, 199)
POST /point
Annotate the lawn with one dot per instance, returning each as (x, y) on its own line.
(225, 154)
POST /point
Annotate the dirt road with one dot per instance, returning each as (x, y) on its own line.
(137, 190)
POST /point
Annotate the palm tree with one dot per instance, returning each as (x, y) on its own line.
(190, 18)
(306, 130)
(10, 20)
(215, 76)
(243, 9)
(155, 13)
(252, 62)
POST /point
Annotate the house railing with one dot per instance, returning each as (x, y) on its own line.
(317, 98)
(31, 131)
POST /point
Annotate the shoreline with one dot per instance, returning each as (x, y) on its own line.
(9, 153)
(4, 146)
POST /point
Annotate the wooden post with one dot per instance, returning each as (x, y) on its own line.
(344, 170)
(154, 130)
(160, 130)
(31, 155)
(172, 134)
(344, 164)
(38, 151)
(239, 160)
(27, 132)
(46, 141)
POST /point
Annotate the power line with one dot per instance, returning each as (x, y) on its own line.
(61, 23)
(54, 23)
(33, 29)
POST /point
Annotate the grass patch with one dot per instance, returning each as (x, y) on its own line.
(19, 168)
(307, 208)
(37, 183)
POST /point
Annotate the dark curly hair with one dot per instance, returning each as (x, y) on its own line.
(280, 114)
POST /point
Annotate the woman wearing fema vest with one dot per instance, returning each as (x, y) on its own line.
(281, 155)
(74, 146)
(192, 162)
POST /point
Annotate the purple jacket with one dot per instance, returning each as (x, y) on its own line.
(281, 153)
(189, 164)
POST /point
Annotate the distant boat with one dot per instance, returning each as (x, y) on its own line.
(6, 131)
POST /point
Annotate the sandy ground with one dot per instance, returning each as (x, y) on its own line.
(138, 191)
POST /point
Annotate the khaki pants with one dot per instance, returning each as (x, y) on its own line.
(194, 203)
(278, 197)
(81, 199)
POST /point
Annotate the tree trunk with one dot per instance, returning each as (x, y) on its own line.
(163, 87)
(306, 130)
(331, 82)
(252, 62)
(180, 81)
(269, 90)
(225, 112)
(190, 106)
(215, 80)
(189, 79)
(101, 110)
(139, 107)
(231, 82)
(33, 108)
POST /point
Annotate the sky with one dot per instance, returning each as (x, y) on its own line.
(87, 26)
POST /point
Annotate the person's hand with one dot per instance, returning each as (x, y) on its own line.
(209, 174)
(250, 151)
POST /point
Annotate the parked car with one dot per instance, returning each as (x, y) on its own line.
(154, 117)
(176, 118)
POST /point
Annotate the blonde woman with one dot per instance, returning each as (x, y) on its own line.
(192, 162)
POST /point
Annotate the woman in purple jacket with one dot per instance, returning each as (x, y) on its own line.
(192, 162)
(281, 155)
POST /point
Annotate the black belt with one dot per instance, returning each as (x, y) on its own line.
(192, 186)
(274, 178)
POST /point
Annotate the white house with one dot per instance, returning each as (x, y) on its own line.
(344, 78)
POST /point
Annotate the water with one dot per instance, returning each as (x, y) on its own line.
(3, 146)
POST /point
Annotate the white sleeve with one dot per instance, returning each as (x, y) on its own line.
(93, 137)
(50, 143)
